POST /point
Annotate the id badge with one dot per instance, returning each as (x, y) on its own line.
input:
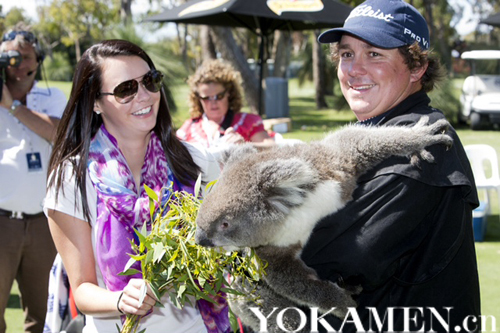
(34, 162)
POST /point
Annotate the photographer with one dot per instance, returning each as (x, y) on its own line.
(29, 115)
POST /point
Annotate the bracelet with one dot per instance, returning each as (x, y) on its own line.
(118, 303)
(14, 107)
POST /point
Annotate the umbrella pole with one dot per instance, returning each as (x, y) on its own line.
(261, 73)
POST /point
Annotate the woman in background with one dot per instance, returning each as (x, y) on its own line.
(215, 102)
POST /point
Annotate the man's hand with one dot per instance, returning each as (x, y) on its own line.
(6, 101)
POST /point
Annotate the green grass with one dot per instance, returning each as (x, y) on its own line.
(311, 124)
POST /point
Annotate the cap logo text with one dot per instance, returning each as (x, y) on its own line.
(365, 10)
(419, 39)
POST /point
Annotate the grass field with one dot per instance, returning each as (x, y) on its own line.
(311, 124)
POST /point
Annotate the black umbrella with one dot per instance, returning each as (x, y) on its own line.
(493, 19)
(262, 17)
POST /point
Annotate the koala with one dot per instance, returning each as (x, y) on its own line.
(271, 200)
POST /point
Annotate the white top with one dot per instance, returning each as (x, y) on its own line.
(18, 144)
(167, 319)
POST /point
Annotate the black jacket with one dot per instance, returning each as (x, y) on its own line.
(406, 237)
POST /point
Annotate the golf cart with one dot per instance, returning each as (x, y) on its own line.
(480, 99)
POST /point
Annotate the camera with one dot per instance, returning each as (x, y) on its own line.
(9, 58)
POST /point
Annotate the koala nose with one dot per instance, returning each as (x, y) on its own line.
(205, 242)
(202, 239)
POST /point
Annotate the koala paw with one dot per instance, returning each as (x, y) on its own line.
(428, 135)
(340, 298)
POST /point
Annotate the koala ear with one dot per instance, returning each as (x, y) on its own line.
(285, 183)
(235, 153)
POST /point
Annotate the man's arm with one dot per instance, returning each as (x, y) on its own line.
(41, 124)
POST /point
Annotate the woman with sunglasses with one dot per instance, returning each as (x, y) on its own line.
(215, 103)
(115, 137)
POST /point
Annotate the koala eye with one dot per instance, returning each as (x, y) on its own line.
(224, 225)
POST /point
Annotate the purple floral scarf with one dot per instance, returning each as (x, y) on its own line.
(120, 210)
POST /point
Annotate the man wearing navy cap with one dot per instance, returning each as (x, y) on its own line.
(406, 237)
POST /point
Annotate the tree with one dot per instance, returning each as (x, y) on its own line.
(207, 44)
(438, 14)
(281, 52)
(226, 45)
(14, 16)
(81, 20)
(319, 72)
(126, 11)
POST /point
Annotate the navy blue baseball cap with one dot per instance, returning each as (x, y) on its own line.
(387, 24)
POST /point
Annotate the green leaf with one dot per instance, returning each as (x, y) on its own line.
(233, 320)
(131, 271)
(148, 258)
(181, 290)
(129, 264)
(158, 252)
(231, 291)
(142, 295)
(137, 257)
(151, 194)
(210, 185)
(197, 186)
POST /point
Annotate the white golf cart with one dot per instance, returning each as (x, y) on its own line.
(480, 99)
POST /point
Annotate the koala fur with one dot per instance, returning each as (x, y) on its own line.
(271, 200)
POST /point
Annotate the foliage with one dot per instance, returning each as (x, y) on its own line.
(81, 18)
(76, 24)
(58, 67)
(445, 98)
(173, 263)
(306, 71)
(14, 16)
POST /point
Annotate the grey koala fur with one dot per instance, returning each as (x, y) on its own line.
(271, 200)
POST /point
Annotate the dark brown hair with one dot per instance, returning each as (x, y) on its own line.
(80, 123)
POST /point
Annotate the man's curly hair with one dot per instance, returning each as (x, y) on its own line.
(215, 71)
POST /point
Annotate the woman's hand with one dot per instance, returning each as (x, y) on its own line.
(135, 299)
(231, 136)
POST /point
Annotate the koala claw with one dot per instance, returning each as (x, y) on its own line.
(353, 290)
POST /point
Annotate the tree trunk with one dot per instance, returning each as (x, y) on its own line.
(182, 39)
(319, 73)
(437, 35)
(229, 50)
(207, 45)
(281, 52)
(78, 50)
(126, 11)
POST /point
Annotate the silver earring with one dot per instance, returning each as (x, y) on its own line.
(97, 112)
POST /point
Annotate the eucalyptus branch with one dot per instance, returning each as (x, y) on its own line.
(172, 262)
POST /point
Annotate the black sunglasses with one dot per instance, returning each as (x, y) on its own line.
(126, 91)
(11, 35)
(217, 97)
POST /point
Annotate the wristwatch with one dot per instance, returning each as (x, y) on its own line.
(13, 107)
